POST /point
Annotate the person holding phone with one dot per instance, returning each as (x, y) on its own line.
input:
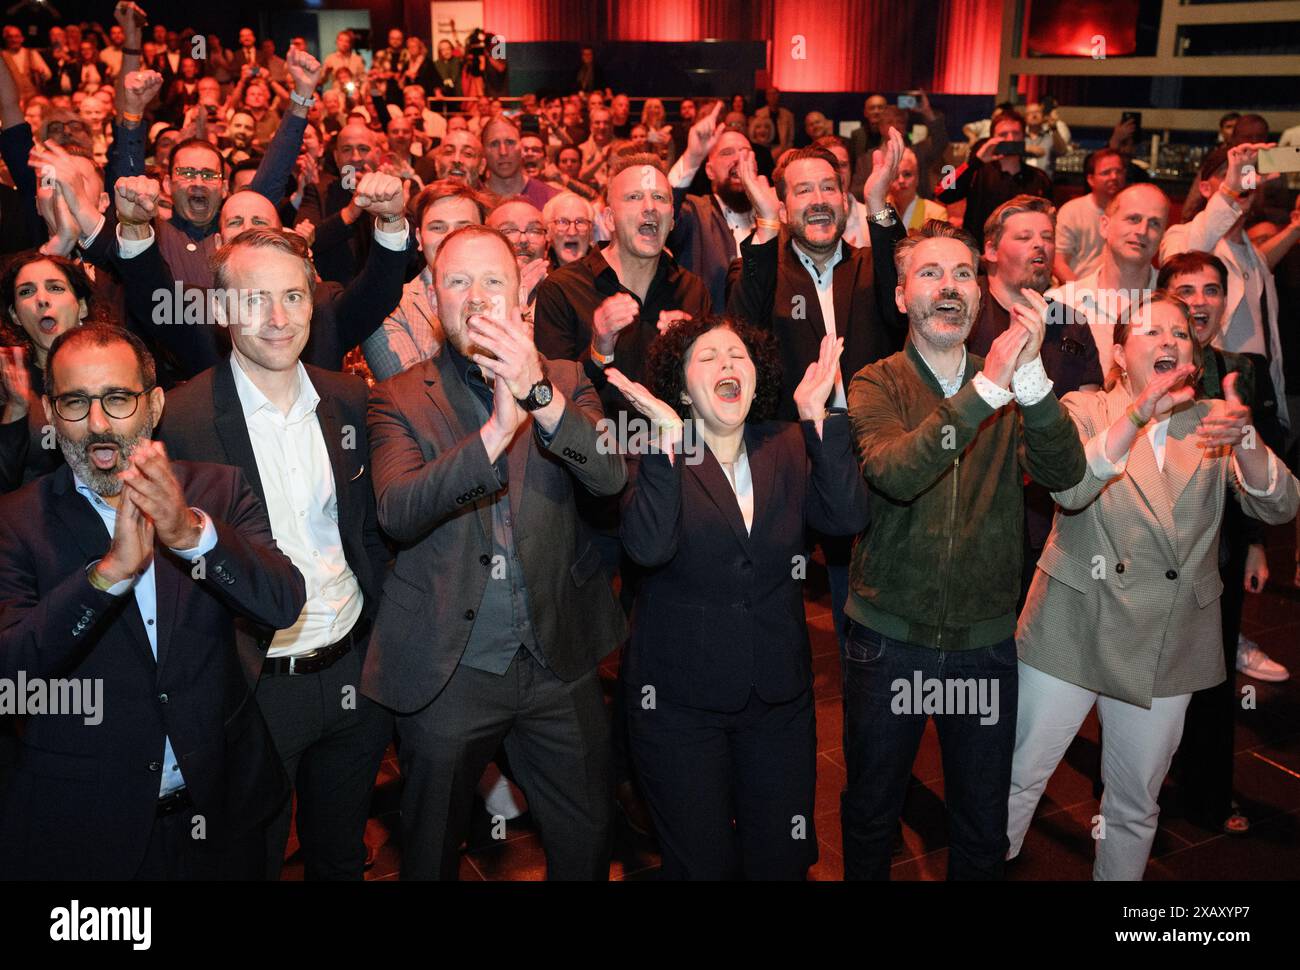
(995, 172)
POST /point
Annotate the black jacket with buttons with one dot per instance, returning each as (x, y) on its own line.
(82, 802)
(719, 611)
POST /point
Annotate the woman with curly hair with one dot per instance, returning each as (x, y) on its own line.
(43, 296)
(718, 674)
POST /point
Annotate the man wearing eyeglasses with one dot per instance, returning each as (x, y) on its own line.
(127, 571)
(569, 219)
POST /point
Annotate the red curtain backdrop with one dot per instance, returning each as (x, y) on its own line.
(682, 20)
(970, 37)
(849, 45)
(531, 20)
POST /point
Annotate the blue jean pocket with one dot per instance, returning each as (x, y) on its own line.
(862, 645)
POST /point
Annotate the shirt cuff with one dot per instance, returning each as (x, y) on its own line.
(679, 176)
(1272, 477)
(121, 587)
(86, 241)
(207, 538)
(1101, 466)
(131, 248)
(396, 241)
(1031, 383)
(994, 396)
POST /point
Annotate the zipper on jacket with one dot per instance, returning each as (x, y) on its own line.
(947, 570)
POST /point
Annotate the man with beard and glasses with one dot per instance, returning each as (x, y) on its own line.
(708, 229)
(128, 570)
(497, 612)
(1131, 229)
(522, 224)
(944, 439)
(459, 158)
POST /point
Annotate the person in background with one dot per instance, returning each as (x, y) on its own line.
(912, 209)
(1043, 141)
(1079, 243)
(569, 219)
(343, 56)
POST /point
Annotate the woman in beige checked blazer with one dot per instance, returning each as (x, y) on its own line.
(1123, 611)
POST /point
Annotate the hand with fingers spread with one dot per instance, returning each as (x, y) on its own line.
(1033, 317)
(136, 200)
(1226, 423)
(150, 482)
(667, 422)
(16, 382)
(819, 381)
(884, 169)
(614, 315)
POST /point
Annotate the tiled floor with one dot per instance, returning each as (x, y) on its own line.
(1059, 844)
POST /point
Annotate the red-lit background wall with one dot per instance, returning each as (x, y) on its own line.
(1067, 28)
(846, 45)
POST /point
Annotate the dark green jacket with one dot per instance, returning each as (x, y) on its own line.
(940, 562)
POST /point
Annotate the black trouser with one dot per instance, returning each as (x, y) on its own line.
(178, 853)
(1205, 755)
(330, 740)
(556, 734)
(732, 795)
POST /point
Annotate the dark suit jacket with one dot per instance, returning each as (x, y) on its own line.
(702, 242)
(765, 282)
(203, 421)
(342, 316)
(434, 484)
(82, 801)
(720, 611)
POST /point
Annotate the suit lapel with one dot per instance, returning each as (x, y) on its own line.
(451, 399)
(1182, 454)
(762, 472)
(714, 481)
(1145, 474)
(87, 530)
(232, 429)
(801, 284)
(331, 426)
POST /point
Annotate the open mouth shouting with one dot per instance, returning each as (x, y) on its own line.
(648, 229)
(104, 455)
(48, 324)
(1165, 363)
(570, 248)
(819, 216)
(727, 389)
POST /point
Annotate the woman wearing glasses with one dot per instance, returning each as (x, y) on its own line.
(1123, 612)
(43, 296)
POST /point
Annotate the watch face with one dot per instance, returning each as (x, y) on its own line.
(542, 394)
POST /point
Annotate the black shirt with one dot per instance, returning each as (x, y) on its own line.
(985, 187)
(566, 304)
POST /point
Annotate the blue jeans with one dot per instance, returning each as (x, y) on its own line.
(890, 689)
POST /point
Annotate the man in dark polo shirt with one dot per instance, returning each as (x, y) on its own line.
(609, 304)
(991, 177)
(1019, 247)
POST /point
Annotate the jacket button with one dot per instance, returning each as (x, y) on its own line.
(1171, 574)
(155, 766)
(485, 560)
(469, 614)
(1119, 567)
(162, 698)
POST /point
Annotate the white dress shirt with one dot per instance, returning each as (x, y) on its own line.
(742, 484)
(302, 504)
(824, 281)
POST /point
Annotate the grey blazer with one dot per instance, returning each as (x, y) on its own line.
(1125, 600)
(434, 486)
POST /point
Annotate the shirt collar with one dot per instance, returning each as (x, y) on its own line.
(93, 497)
(812, 266)
(196, 233)
(252, 400)
(946, 383)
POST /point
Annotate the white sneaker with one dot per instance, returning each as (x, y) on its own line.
(1254, 662)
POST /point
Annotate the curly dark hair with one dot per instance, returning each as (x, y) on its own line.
(11, 333)
(666, 363)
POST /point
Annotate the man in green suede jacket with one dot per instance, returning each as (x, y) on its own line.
(944, 439)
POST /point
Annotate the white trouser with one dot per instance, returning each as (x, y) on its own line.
(1137, 747)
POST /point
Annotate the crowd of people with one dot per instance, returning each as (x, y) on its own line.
(344, 407)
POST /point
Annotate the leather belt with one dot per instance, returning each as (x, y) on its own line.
(317, 660)
(174, 802)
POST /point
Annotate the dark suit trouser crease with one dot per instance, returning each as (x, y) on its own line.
(330, 740)
(732, 795)
(556, 735)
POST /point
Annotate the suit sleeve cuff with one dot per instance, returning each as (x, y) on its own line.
(131, 248)
(396, 241)
(86, 241)
(1030, 383)
(207, 539)
(1272, 477)
(1101, 466)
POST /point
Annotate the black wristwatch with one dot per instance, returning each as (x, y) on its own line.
(540, 395)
